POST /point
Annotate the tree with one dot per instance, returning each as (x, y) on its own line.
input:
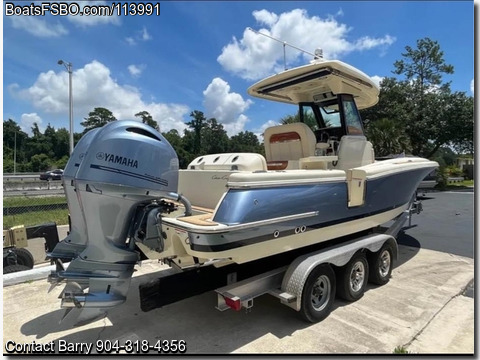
(423, 69)
(62, 144)
(387, 137)
(445, 157)
(148, 119)
(59, 140)
(424, 65)
(395, 102)
(14, 144)
(246, 141)
(39, 144)
(308, 119)
(97, 118)
(214, 138)
(451, 122)
(38, 152)
(197, 124)
(40, 162)
(174, 138)
(422, 104)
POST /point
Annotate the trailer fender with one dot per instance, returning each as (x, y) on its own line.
(339, 255)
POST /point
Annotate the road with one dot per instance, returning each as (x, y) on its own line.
(446, 224)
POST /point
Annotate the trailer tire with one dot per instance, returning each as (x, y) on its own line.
(381, 264)
(24, 257)
(353, 278)
(14, 268)
(318, 294)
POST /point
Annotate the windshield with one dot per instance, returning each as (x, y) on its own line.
(320, 117)
(352, 117)
(331, 117)
(339, 116)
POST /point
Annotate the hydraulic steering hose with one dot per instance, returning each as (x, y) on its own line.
(183, 200)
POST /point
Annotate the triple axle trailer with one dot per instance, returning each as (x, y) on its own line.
(307, 282)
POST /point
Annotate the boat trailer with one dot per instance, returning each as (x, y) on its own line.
(307, 284)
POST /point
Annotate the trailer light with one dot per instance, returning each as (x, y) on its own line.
(233, 303)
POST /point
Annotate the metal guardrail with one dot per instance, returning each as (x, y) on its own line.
(21, 177)
(14, 185)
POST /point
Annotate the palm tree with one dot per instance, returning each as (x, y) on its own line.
(387, 137)
(308, 118)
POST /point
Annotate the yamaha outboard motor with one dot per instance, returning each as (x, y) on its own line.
(127, 166)
(76, 240)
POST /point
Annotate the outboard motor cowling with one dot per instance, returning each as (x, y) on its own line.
(76, 240)
(127, 163)
(130, 153)
(127, 166)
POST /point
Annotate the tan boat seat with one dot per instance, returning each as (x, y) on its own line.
(287, 143)
(354, 151)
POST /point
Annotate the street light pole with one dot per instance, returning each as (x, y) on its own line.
(15, 155)
(68, 66)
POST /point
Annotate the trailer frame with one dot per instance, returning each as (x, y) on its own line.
(288, 283)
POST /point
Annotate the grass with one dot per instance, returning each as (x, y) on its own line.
(60, 217)
(400, 350)
(29, 201)
(463, 183)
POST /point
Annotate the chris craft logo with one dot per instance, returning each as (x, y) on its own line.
(117, 159)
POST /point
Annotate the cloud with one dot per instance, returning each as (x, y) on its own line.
(141, 35)
(27, 121)
(265, 17)
(377, 79)
(41, 27)
(367, 43)
(261, 130)
(255, 56)
(93, 86)
(145, 35)
(225, 106)
(93, 20)
(472, 86)
(38, 27)
(136, 70)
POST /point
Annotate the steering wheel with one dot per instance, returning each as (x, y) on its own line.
(324, 137)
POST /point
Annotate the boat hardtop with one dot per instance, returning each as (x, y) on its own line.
(318, 81)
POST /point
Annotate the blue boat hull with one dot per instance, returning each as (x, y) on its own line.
(326, 202)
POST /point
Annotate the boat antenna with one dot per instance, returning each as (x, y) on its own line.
(318, 53)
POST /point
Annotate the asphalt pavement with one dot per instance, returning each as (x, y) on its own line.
(427, 307)
(446, 223)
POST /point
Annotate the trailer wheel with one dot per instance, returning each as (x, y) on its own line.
(318, 294)
(24, 257)
(14, 268)
(381, 265)
(353, 278)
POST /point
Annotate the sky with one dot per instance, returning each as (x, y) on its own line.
(199, 55)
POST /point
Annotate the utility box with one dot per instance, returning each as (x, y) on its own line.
(15, 236)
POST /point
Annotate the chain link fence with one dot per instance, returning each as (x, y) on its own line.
(33, 202)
